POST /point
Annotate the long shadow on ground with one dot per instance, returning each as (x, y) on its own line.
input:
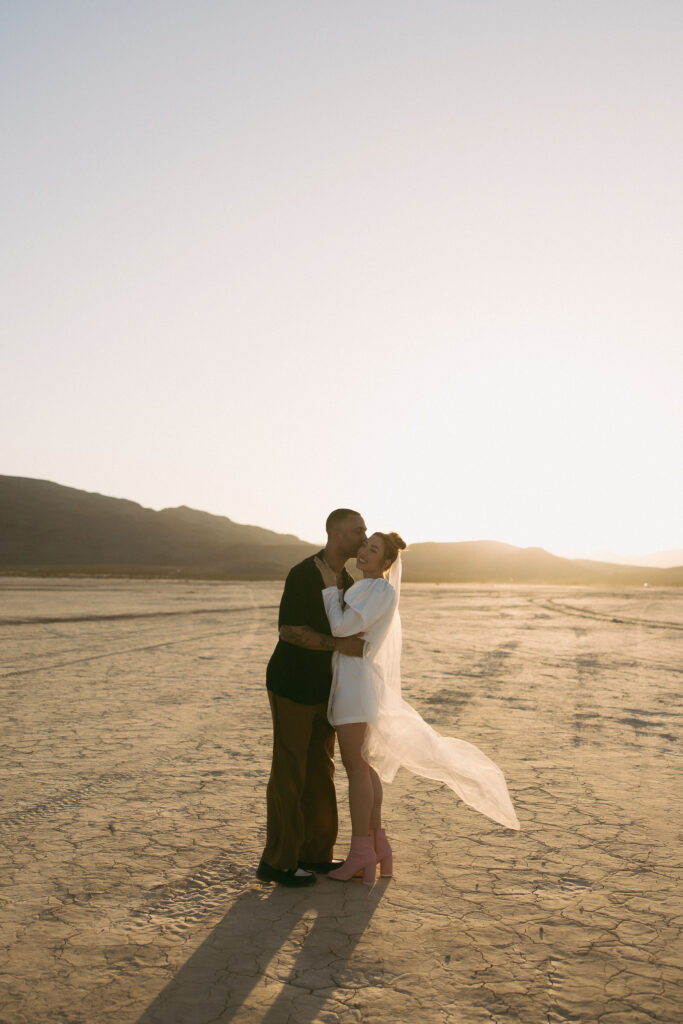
(282, 950)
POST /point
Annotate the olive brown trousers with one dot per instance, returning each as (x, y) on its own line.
(301, 802)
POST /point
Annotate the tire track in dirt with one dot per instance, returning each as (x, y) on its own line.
(61, 802)
(186, 902)
(47, 620)
(561, 606)
(114, 654)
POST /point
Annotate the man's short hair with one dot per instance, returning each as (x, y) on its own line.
(336, 517)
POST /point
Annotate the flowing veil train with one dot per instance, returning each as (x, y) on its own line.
(399, 736)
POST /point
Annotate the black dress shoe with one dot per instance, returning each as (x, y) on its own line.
(265, 873)
(321, 867)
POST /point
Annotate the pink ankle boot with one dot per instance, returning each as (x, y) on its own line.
(361, 857)
(383, 853)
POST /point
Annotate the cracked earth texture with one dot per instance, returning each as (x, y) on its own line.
(136, 743)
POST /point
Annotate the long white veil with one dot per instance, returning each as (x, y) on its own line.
(399, 736)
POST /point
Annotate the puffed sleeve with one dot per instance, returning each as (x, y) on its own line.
(366, 601)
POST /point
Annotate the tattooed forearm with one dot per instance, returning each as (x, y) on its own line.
(304, 636)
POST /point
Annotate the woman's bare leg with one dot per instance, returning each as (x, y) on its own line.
(376, 816)
(362, 792)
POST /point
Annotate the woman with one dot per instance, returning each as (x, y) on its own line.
(378, 731)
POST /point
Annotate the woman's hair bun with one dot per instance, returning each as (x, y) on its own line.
(393, 543)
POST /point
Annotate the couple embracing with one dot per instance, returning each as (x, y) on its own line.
(337, 667)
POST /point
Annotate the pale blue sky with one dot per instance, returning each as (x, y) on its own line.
(422, 259)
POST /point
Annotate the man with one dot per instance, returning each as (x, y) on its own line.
(300, 799)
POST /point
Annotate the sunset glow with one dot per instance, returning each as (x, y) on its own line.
(422, 260)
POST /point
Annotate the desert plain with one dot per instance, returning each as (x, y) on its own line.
(136, 747)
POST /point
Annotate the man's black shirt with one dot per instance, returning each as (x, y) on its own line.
(301, 675)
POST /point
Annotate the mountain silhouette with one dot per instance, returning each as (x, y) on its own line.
(47, 528)
(487, 561)
(44, 525)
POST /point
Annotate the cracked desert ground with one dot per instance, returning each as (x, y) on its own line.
(136, 748)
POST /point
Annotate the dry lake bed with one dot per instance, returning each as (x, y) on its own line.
(136, 748)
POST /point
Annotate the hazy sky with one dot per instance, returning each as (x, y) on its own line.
(419, 258)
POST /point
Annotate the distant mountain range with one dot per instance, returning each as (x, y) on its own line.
(49, 529)
(661, 559)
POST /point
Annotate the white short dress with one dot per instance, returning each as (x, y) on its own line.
(367, 607)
